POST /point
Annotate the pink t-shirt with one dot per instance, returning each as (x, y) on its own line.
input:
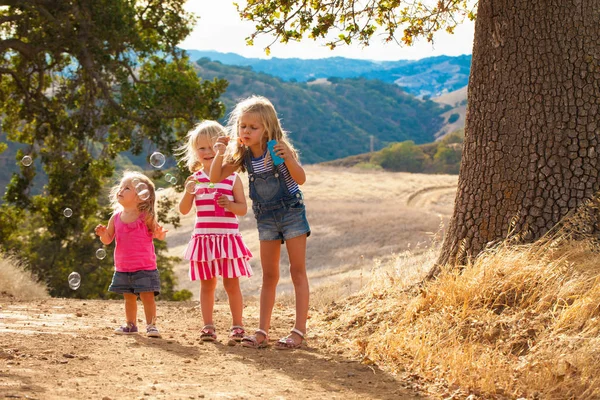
(134, 249)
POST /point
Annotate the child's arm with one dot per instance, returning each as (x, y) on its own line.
(219, 169)
(238, 206)
(187, 201)
(106, 233)
(291, 162)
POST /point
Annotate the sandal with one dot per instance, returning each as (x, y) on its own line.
(236, 333)
(288, 343)
(252, 340)
(207, 334)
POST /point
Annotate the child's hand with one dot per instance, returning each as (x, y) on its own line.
(221, 145)
(282, 150)
(223, 200)
(159, 232)
(100, 230)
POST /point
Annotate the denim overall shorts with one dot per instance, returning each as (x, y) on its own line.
(279, 214)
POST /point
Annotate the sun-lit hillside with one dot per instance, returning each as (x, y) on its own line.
(455, 117)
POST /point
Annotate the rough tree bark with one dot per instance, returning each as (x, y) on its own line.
(530, 154)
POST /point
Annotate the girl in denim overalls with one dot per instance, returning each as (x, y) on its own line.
(278, 206)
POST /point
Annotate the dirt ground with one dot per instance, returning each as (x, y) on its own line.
(66, 349)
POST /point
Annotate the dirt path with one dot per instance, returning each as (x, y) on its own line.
(431, 196)
(65, 349)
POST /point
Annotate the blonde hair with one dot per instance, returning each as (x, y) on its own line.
(209, 129)
(144, 206)
(265, 110)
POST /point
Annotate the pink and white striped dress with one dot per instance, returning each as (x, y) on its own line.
(216, 247)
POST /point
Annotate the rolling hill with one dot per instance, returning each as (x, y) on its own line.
(432, 76)
(334, 118)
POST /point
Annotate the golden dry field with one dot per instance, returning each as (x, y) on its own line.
(356, 217)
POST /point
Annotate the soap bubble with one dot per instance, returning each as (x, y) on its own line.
(140, 187)
(173, 180)
(135, 181)
(190, 187)
(100, 254)
(157, 159)
(26, 161)
(144, 194)
(168, 177)
(74, 280)
(67, 212)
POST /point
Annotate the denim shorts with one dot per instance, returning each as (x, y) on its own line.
(136, 282)
(282, 223)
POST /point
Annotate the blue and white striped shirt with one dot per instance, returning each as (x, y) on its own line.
(259, 166)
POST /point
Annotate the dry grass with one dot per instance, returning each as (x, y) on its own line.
(520, 321)
(16, 282)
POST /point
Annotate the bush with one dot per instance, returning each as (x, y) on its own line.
(453, 118)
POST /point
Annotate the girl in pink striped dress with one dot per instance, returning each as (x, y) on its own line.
(216, 247)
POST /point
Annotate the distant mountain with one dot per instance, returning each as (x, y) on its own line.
(334, 118)
(431, 76)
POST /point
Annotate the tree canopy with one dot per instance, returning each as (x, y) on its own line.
(344, 22)
(81, 82)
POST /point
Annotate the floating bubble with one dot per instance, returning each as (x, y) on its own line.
(67, 212)
(26, 161)
(144, 195)
(157, 159)
(100, 254)
(135, 181)
(190, 187)
(168, 177)
(74, 280)
(173, 180)
(140, 187)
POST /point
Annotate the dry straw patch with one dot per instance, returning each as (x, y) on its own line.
(16, 282)
(518, 321)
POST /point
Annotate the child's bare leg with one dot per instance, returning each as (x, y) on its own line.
(130, 307)
(207, 299)
(236, 302)
(149, 306)
(269, 259)
(296, 248)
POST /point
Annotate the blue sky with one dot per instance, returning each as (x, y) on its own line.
(219, 28)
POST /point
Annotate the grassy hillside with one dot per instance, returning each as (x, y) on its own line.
(334, 118)
(440, 157)
(454, 117)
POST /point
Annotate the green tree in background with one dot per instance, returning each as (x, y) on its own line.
(81, 82)
(404, 156)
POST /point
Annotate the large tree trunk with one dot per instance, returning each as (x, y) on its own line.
(530, 153)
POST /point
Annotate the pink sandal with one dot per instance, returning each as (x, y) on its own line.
(288, 343)
(252, 340)
(207, 334)
(236, 334)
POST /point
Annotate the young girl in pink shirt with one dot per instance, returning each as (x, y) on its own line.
(216, 247)
(133, 226)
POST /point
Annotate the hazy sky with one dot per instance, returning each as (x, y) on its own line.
(219, 28)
